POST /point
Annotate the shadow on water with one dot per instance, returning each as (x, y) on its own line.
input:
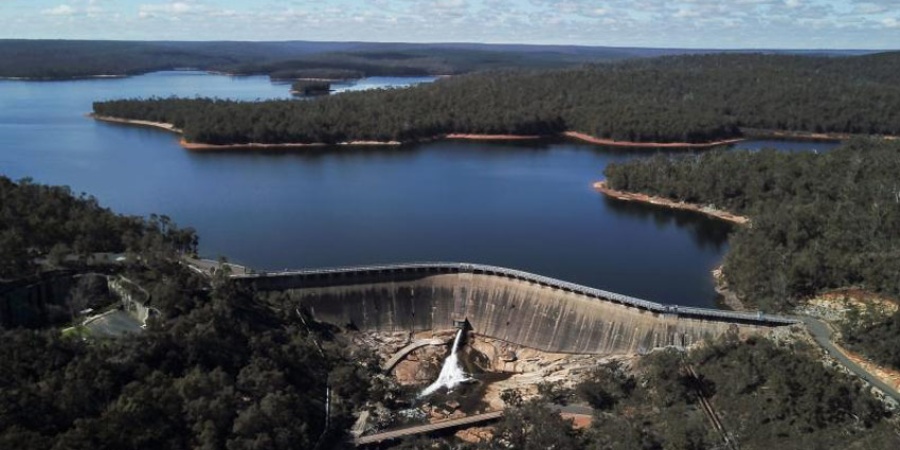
(706, 232)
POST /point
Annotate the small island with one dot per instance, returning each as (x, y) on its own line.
(308, 88)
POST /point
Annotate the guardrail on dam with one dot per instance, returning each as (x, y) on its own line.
(512, 305)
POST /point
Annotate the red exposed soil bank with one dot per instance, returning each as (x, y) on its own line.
(614, 143)
(492, 137)
(643, 198)
(481, 137)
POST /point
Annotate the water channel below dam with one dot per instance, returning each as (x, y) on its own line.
(528, 206)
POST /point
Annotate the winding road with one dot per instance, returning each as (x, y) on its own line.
(822, 333)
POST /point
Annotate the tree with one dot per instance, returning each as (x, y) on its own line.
(533, 426)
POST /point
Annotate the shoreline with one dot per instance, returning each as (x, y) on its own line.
(613, 143)
(140, 123)
(602, 187)
(70, 78)
(493, 137)
(575, 135)
(728, 298)
(250, 145)
(194, 146)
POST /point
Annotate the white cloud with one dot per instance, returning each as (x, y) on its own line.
(171, 9)
(669, 23)
(61, 10)
(867, 8)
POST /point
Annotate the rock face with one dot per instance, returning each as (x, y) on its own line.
(421, 365)
(515, 311)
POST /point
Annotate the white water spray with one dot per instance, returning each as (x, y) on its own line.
(451, 374)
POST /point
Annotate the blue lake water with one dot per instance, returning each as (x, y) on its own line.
(526, 206)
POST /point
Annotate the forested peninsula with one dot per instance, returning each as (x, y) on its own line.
(689, 99)
(819, 222)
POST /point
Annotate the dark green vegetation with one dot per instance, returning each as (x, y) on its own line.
(56, 59)
(421, 61)
(672, 99)
(310, 87)
(49, 222)
(224, 370)
(219, 368)
(77, 59)
(771, 396)
(820, 222)
(877, 336)
(766, 396)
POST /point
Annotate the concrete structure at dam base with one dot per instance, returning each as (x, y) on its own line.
(518, 307)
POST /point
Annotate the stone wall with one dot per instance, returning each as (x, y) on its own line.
(513, 310)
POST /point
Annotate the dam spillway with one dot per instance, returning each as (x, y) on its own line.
(506, 304)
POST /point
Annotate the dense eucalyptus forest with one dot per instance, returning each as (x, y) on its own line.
(37, 221)
(220, 367)
(669, 99)
(819, 221)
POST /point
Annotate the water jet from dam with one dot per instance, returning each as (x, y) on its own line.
(451, 374)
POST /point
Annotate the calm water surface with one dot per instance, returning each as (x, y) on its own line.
(529, 206)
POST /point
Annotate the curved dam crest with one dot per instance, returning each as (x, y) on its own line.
(525, 309)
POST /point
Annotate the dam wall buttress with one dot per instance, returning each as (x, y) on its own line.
(515, 310)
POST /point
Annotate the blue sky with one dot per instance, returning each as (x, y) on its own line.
(870, 24)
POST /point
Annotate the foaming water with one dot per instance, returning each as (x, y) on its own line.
(451, 374)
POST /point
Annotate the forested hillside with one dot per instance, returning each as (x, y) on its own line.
(670, 99)
(228, 371)
(63, 59)
(220, 367)
(819, 222)
(38, 220)
(767, 396)
(421, 60)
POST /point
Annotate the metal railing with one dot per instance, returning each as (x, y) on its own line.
(453, 267)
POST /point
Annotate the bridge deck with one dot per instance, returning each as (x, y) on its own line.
(406, 350)
(428, 428)
(483, 269)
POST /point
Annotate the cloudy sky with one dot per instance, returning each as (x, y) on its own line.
(869, 24)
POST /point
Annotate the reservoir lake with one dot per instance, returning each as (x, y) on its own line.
(528, 206)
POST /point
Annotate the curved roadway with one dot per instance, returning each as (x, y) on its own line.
(821, 332)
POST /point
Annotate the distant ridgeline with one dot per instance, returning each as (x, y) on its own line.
(669, 99)
(61, 59)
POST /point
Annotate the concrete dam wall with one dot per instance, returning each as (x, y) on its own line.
(521, 311)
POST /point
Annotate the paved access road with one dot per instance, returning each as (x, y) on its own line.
(821, 332)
